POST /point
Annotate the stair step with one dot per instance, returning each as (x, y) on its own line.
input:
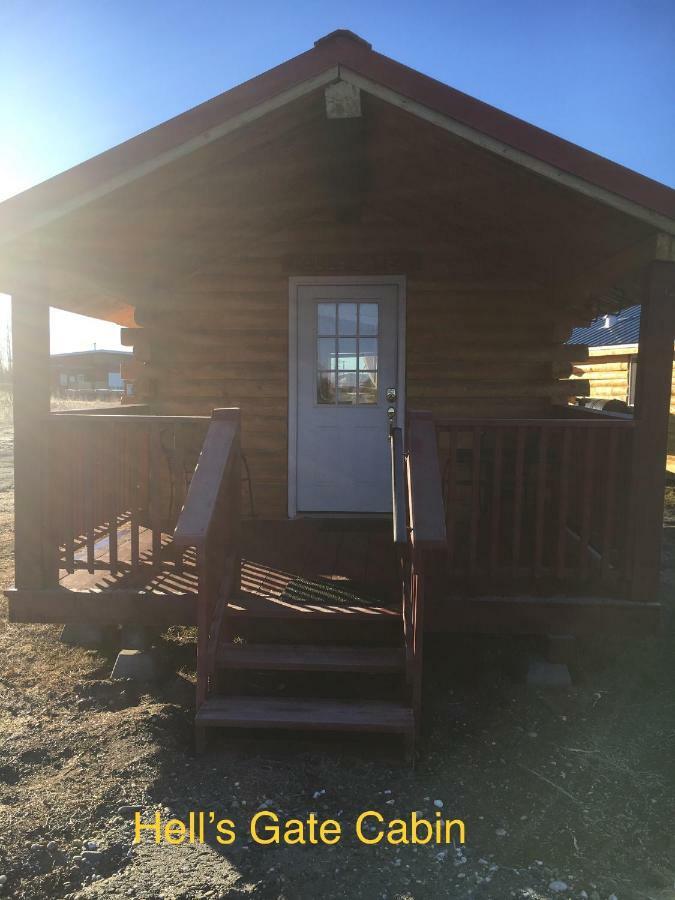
(311, 657)
(309, 714)
(253, 606)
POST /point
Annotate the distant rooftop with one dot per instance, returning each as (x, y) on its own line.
(91, 353)
(610, 330)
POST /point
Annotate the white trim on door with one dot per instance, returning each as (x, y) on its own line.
(294, 282)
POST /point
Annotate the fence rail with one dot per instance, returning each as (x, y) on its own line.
(543, 501)
(107, 477)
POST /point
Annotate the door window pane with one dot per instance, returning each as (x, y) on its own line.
(347, 313)
(367, 387)
(325, 318)
(326, 353)
(368, 354)
(367, 318)
(346, 387)
(346, 353)
(325, 387)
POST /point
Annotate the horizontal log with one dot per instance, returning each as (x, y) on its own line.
(489, 389)
(174, 353)
(598, 367)
(244, 388)
(61, 606)
(210, 371)
(533, 352)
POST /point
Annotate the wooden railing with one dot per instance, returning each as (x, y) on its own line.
(112, 477)
(541, 504)
(210, 522)
(426, 530)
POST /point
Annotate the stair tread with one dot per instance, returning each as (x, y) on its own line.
(270, 606)
(315, 714)
(313, 657)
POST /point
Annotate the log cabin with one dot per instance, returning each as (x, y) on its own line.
(610, 369)
(348, 289)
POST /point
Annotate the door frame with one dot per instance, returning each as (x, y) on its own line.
(296, 281)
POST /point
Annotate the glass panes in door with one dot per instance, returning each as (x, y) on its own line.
(346, 353)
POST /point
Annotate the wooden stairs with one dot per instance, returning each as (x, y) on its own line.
(345, 668)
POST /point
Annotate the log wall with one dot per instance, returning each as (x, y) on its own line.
(476, 345)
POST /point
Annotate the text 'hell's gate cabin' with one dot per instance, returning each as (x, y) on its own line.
(348, 289)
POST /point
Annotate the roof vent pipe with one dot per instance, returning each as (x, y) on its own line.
(610, 320)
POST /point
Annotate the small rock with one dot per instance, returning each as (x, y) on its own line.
(612, 897)
(52, 846)
(36, 848)
(129, 809)
(3, 880)
(438, 804)
(501, 832)
(92, 857)
(558, 886)
(90, 845)
(318, 794)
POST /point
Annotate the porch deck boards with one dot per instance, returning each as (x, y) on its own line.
(286, 565)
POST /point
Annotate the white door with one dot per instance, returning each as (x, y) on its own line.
(347, 346)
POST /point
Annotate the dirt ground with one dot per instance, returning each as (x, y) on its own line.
(567, 793)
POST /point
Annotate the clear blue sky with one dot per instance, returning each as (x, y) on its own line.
(78, 76)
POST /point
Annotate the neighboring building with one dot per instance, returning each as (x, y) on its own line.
(88, 370)
(611, 367)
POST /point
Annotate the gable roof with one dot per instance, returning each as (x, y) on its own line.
(610, 332)
(341, 54)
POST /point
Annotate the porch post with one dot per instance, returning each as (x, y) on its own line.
(30, 364)
(652, 409)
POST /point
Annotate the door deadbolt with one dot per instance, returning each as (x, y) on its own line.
(391, 395)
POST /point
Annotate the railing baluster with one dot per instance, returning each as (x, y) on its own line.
(475, 498)
(89, 497)
(496, 500)
(136, 447)
(608, 518)
(587, 503)
(450, 510)
(518, 498)
(113, 472)
(540, 502)
(64, 437)
(563, 503)
(155, 488)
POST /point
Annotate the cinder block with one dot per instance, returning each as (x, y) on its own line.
(140, 665)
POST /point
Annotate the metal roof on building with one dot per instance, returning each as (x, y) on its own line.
(610, 330)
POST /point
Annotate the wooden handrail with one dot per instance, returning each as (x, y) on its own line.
(604, 420)
(132, 419)
(399, 518)
(425, 493)
(215, 460)
(129, 409)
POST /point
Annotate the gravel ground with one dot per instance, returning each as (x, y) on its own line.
(566, 793)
